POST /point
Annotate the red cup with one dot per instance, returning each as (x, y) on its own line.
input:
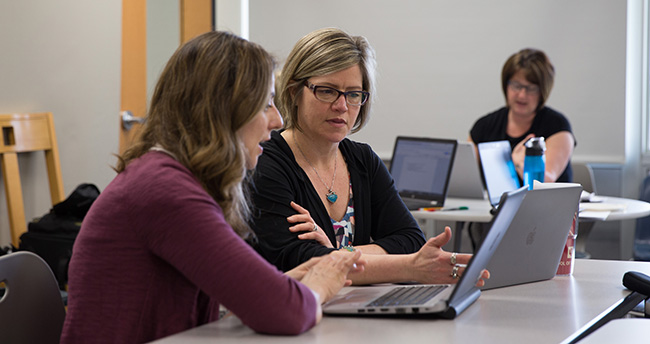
(568, 255)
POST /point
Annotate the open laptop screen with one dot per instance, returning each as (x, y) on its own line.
(498, 169)
(466, 180)
(421, 166)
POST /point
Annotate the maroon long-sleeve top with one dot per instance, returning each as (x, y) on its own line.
(155, 256)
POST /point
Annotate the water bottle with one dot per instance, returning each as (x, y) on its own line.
(535, 161)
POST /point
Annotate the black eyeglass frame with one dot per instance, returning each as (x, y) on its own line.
(530, 89)
(314, 88)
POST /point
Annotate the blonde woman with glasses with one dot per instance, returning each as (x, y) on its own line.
(337, 193)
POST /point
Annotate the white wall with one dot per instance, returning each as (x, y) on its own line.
(63, 57)
(439, 61)
(439, 64)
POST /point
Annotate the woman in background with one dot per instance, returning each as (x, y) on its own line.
(162, 247)
(526, 81)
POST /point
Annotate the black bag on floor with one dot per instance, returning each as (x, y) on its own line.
(52, 235)
(55, 249)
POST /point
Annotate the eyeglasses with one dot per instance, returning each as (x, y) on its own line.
(330, 95)
(517, 87)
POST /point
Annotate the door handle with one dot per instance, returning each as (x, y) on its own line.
(128, 119)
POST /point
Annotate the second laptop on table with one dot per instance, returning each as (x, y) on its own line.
(466, 180)
(497, 169)
(421, 168)
(533, 245)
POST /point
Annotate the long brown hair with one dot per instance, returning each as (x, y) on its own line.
(211, 86)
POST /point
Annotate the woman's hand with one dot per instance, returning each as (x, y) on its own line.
(559, 149)
(299, 271)
(306, 224)
(328, 274)
(519, 154)
(433, 265)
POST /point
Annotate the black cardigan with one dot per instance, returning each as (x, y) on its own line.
(380, 215)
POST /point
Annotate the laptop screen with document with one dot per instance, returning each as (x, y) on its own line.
(421, 168)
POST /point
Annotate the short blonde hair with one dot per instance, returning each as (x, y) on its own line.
(323, 52)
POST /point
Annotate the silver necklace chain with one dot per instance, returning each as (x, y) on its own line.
(331, 195)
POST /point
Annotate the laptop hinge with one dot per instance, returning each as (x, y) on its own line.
(456, 308)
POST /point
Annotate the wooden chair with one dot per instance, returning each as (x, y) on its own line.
(22, 133)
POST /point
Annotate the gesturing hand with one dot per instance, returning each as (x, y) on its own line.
(433, 265)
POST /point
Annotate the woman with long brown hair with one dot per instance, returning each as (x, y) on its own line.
(162, 247)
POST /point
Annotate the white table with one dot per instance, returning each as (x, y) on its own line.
(542, 312)
(620, 331)
(479, 211)
(633, 208)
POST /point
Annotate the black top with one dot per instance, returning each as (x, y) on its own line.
(380, 215)
(492, 127)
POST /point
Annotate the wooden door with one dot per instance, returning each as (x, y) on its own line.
(196, 17)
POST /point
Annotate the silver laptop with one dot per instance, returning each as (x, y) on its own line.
(445, 301)
(466, 180)
(532, 247)
(497, 169)
(420, 168)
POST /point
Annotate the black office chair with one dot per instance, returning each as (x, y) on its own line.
(31, 309)
(639, 284)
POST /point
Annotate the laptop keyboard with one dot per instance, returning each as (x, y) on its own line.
(407, 296)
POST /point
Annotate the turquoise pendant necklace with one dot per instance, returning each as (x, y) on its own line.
(331, 195)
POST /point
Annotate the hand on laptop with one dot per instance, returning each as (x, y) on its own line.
(431, 264)
(307, 225)
(326, 275)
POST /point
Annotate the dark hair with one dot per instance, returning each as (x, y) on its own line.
(537, 69)
(211, 86)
